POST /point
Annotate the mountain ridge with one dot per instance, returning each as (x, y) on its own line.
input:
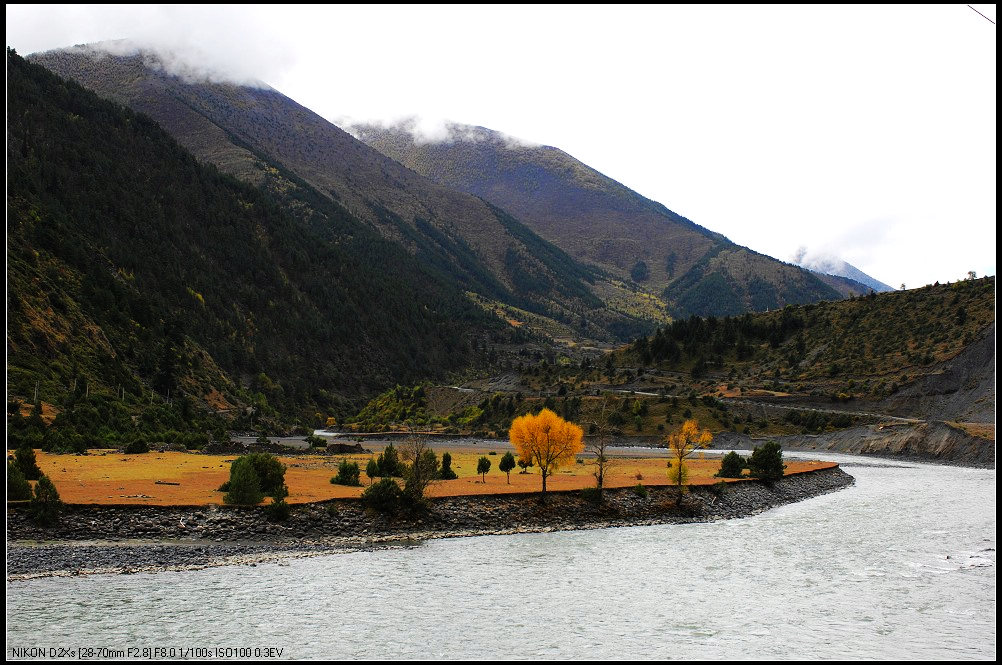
(248, 131)
(600, 221)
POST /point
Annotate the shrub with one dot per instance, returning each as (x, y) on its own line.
(277, 511)
(347, 474)
(446, 472)
(24, 459)
(137, 446)
(640, 491)
(592, 494)
(18, 488)
(270, 473)
(384, 496)
(731, 466)
(766, 462)
(45, 504)
(316, 441)
(244, 487)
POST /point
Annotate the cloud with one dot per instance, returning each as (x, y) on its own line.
(425, 130)
(197, 42)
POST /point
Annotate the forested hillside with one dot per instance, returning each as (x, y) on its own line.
(138, 273)
(251, 132)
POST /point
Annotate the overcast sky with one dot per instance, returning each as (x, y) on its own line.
(867, 132)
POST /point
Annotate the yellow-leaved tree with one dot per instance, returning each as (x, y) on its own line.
(683, 443)
(546, 440)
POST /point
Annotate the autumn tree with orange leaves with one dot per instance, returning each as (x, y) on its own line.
(546, 440)
(683, 444)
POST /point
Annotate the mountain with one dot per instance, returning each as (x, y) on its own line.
(265, 138)
(602, 222)
(832, 265)
(847, 287)
(137, 272)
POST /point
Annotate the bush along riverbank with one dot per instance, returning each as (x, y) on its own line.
(113, 539)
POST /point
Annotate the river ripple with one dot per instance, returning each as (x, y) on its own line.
(900, 566)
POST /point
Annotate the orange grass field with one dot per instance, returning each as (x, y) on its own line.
(108, 477)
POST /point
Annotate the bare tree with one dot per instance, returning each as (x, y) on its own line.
(422, 467)
(598, 445)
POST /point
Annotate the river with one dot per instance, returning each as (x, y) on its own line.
(899, 566)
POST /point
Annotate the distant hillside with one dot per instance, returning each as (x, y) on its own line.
(847, 287)
(832, 265)
(900, 345)
(248, 131)
(135, 271)
(600, 221)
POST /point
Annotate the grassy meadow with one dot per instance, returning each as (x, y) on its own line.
(176, 478)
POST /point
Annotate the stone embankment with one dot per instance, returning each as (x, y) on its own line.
(108, 539)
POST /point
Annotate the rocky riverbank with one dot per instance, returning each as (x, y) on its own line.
(105, 539)
(935, 442)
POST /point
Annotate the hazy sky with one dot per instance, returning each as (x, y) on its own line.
(867, 132)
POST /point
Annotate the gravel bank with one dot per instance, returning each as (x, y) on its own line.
(104, 539)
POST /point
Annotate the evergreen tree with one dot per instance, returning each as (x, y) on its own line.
(446, 473)
(18, 488)
(24, 458)
(731, 466)
(244, 485)
(45, 504)
(766, 462)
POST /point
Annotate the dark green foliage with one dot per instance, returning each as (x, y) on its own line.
(483, 466)
(192, 276)
(592, 494)
(136, 447)
(640, 272)
(507, 464)
(372, 469)
(277, 511)
(24, 458)
(45, 504)
(18, 488)
(244, 486)
(389, 463)
(384, 496)
(316, 441)
(766, 462)
(446, 472)
(254, 476)
(818, 421)
(731, 466)
(640, 490)
(525, 465)
(347, 474)
(270, 472)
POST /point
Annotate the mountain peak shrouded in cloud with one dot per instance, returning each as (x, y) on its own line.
(830, 264)
(190, 64)
(424, 130)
